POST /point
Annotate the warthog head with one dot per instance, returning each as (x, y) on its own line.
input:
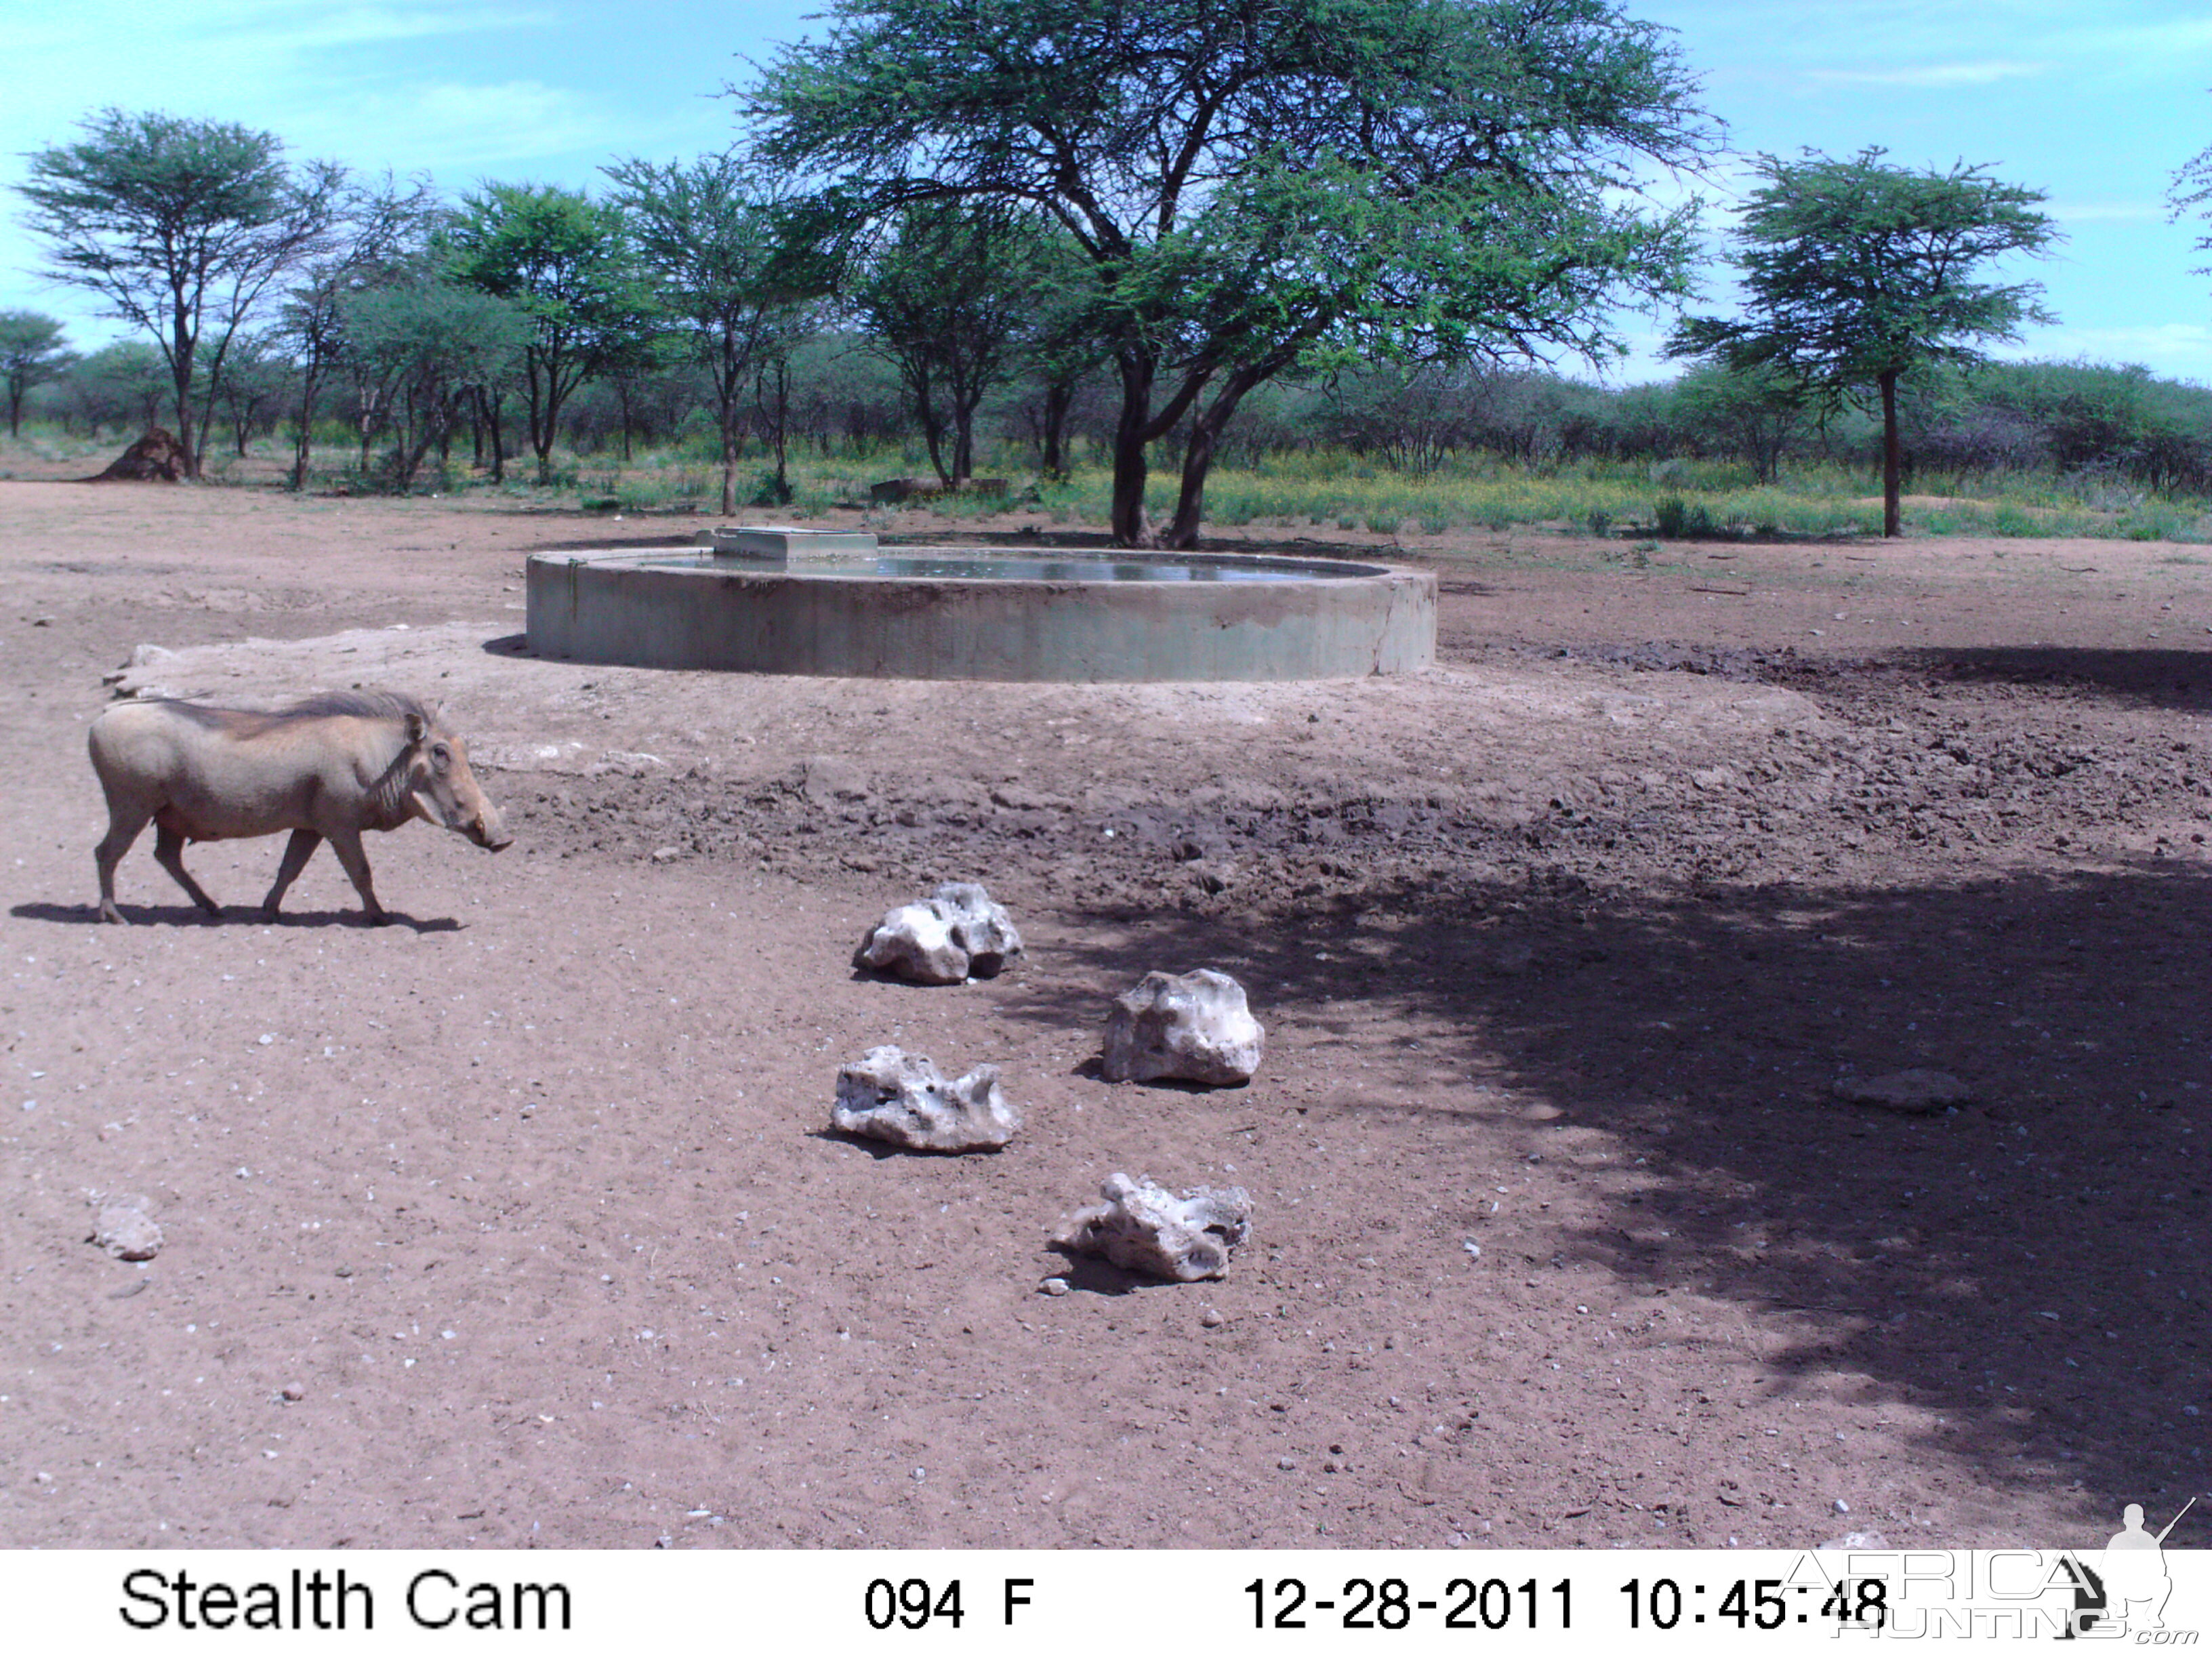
(443, 789)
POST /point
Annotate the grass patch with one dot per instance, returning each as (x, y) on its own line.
(1679, 499)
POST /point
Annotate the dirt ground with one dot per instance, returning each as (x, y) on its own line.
(1562, 1235)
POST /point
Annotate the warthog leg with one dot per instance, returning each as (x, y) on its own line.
(297, 852)
(123, 828)
(169, 853)
(346, 843)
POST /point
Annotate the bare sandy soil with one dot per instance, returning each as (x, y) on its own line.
(529, 1199)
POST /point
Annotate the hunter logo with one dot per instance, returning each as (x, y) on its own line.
(2118, 1594)
(2135, 1583)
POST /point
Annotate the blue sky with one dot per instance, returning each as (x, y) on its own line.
(2096, 104)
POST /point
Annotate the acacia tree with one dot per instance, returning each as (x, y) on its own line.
(179, 226)
(378, 232)
(1856, 273)
(255, 376)
(1256, 184)
(732, 266)
(564, 260)
(946, 297)
(31, 352)
(126, 382)
(1756, 411)
(2191, 193)
(1061, 345)
(421, 348)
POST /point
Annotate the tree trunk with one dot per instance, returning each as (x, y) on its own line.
(1131, 527)
(1892, 517)
(541, 429)
(185, 437)
(1058, 398)
(1206, 428)
(776, 418)
(963, 441)
(493, 405)
(915, 369)
(782, 434)
(184, 338)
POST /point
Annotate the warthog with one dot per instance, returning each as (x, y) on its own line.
(326, 768)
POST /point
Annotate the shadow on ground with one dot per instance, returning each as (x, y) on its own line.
(2163, 679)
(234, 915)
(2034, 1264)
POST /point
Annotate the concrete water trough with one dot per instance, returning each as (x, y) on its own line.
(778, 601)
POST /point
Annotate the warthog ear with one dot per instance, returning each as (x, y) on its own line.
(417, 728)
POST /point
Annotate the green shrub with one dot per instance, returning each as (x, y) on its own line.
(1680, 520)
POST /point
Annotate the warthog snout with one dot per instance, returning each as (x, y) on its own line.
(489, 832)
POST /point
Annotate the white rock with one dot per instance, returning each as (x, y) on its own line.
(1918, 1090)
(125, 1231)
(1193, 1026)
(915, 942)
(955, 934)
(890, 1094)
(142, 656)
(1147, 1229)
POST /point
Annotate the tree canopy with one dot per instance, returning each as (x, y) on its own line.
(1256, 184)
(2191, 193)
(31, 351)
(1856, 273)
(179, 226)
(378, 234)
(947, 297)
(733, 263)
(563, 259)
(423, 347)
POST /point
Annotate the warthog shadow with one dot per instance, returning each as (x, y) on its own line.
(191, 916)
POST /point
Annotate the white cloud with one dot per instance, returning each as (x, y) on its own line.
(456, 128)
(2153, 43)
(1980, 74)
(271, 63)
(2182, 349)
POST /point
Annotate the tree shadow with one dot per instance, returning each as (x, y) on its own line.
(2165, 678)
(2033, 1265)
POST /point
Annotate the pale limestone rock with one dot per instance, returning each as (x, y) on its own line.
(956, 934)
(1193, 1026)
(1146, 1229)
(890, 1094)
(1919, 1090)
(126, 1231)
(142, 656)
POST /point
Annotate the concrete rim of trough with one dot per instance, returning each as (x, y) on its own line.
(654, 608)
